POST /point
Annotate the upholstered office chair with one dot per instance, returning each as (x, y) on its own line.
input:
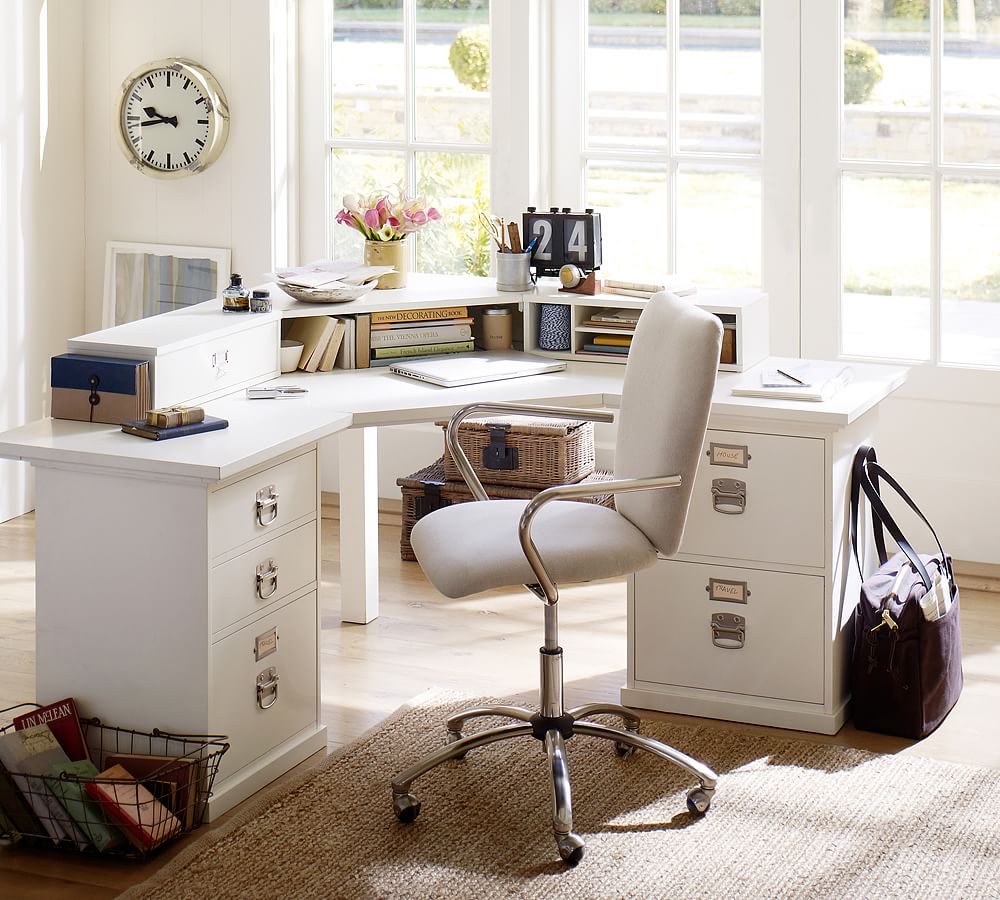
(471, 547)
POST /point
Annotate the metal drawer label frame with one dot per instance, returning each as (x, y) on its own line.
(729, 591)
(737, 455)
(265, 644)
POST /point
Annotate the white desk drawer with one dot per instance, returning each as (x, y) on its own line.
(770, 510)
(217, 364)
(779, 653)
(262, 503)
(263, 576)
(236, 710)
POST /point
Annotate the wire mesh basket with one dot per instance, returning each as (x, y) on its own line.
(137, 791)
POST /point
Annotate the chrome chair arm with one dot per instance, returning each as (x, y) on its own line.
(553, 412)
(573, 492)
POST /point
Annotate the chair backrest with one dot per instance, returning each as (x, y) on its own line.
(666, 399)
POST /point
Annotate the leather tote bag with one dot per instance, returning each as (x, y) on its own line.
(906, 669)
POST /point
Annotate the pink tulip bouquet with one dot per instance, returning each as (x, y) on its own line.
(380, 217)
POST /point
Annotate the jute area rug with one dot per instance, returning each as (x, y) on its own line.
(790, 819)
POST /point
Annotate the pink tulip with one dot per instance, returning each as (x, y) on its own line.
(393, 221)
(371, 219)
(382, 208)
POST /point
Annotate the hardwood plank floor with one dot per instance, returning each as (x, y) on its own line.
(483, 645)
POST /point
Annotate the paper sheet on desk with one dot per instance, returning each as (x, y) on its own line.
(825, 381)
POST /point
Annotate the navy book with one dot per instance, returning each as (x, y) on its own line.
(140, 428)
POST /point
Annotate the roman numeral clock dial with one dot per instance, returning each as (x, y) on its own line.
(173, 118)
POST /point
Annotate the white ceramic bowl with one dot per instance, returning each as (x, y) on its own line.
(291, 353)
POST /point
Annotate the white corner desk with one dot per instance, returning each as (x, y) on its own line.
(177, 583)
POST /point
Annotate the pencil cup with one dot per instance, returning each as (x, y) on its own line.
(514, 272)
(554, 326)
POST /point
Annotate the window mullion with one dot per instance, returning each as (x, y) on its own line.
(937, 56)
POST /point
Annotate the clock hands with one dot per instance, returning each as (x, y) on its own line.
(159, 119)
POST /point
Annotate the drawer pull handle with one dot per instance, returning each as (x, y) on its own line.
(267, 501)
(267, 571)
(220, 368)
(729, 631)
(729, 496)
(267, 688)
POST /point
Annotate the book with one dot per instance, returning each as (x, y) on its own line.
(675, 284)
(86, 812)
(430, 335)
(345, 355)
(154, 772)
(19, 819)
(28, 754)
(824, 381)
(424, 350)
(429, 323)
(313, 332)
(145, 821)
(140, 429)
(332, 347)
(613, 340)
(63, 721)
(613, 351)
(362, 333)
(626, 326)
(173, 416)
(630, 292)
(649, 287)
(627, 317)
(420, 315)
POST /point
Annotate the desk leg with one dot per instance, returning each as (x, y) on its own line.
(358, 525)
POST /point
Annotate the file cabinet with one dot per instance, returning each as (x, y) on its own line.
(751, 620)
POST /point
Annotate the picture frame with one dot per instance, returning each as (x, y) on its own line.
(142, 280)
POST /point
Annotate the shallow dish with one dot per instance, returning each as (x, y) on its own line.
(319, 295)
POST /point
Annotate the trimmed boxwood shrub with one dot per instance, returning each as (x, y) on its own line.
(469, 57)
(862, 70)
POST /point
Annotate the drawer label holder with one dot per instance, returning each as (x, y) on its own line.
(730, 591)
(729, 496)
(265, 644)
(267, 688)
(728, 455)
(729, 631)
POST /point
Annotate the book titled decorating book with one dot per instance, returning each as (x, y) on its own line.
(141, 428)
(147, 823)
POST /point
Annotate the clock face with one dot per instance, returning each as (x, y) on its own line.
(173, 118)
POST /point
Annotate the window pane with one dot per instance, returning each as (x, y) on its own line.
(367, 66)
(718, 74)
(970, 272)
(453, 71)
(718, 227)
(970, 83)
(458, 184)
(885, 257)
(887, 80)
(626, 75)
(361, 172)
(632, 201)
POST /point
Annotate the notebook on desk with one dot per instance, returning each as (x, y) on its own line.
(473, 368)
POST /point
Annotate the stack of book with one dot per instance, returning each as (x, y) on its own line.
(322, 339)
(174, 421)
(409, 334)
(51, 788)
(681, 287)
(616, 327)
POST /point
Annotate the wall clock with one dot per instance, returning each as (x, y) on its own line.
(173, 119)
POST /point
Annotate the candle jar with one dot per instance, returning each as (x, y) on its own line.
(498, 328)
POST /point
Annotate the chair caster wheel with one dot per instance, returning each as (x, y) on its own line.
(453, 737)
(571, 848)
(623, 751)
(406, 807)
(698, 801)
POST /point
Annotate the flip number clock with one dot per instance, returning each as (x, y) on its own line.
(563, 237)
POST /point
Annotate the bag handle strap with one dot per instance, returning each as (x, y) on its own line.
(858, 478)
(865, 477)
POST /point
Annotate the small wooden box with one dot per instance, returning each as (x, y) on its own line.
(428, 489)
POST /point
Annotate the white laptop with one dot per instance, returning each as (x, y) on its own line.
(473, 368)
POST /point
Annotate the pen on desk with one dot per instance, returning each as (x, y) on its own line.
(790, 377)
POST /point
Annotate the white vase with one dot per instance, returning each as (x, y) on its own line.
(388, 253)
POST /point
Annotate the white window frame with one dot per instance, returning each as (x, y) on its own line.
(822, 28)
(777, 163)
(518, 133)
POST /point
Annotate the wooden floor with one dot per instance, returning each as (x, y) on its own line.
(483, 645)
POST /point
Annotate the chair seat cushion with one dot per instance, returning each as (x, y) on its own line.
(471, 547)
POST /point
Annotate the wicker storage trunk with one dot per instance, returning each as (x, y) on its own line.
(525, 451)
(428, 489)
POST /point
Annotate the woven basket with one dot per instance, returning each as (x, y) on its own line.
(428, 490)
(525, 451)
